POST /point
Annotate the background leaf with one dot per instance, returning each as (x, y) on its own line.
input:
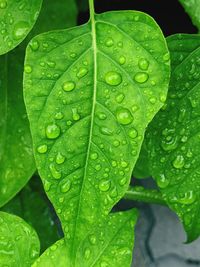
(17, 19)
(15, 137)
(110, 244)
(86, 94)
(173, 136)
(19, 244)
(192, 7)
(32, 205)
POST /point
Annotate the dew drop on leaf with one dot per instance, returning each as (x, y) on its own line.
(60, 158)
(187, 198)
(55, 173)
(82, 72)
(109, 42)
(3, 4)
(143, 64)
(106, 131)
(27, 68)
(119, 98)
(52, 131)
(141, 77)
(20, 30)
(104, 185)
(42, 149)
(124, 116)
(132, 133)
(34, 45)
(75, 114)
(163, 181)
(178, 162)
(68, 86)
(59, 116)
(87, 253)
(122, 60)
(113, 78)
(65, 187)
(94, 156)
(92, 239)
(101, 116)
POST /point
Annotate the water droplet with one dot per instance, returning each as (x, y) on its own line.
(104, 185)
(52, 131)
(94, 156)
(59, 116)
(166, 57)
(178, 162)
(106, 131)
(82, 72)
(55, 173)
(92, 239)
(188, 198)
(87, 253)
(20, 29)
(119, 98)
(113, 78)
(42, 149)
(123, 181)
(27, 68)
(169, 143)
(47, 185)
(68, 86)
(98, 167)
(143, 64)
(101, 116)
(60, 158)
(34, 45)
(109, 42)
(3, 4)
(104, 264)
(122, 60)
(141, 77)
(124, 116)
(132, 133)
(75, 114)
(65, 187)
(163, 181)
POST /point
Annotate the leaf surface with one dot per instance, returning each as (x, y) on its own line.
(16, 20)
(110, 244)
(19, 243)
(192, 7)
(90, 92)
(173, 136)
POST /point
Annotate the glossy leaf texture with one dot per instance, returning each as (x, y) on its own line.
(17, 18)
(19, 243)
(110, 244)
(90, 92)
(192, 7)
(32, 205)
(16, 157)
(15, 137)
(173, 136)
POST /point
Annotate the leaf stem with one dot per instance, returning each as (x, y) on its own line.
(91, 8)
(139, 193)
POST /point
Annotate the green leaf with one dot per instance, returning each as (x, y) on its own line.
(141, 169)
(192, 7)
(173, 136)
(110, 244)
(16, 157)
(90, 92)
(31, 204)
(19, 243)
(17, 19)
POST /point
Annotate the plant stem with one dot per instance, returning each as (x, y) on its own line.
(91, 8)
(151, 196)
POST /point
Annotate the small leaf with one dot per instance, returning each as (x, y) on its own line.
(192, 7)
(109, 244)
(19, 243)
(17, 19)
(90, 92)
(173, 136)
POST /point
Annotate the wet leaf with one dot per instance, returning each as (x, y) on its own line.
(90, 92)
(192, 7)
(19, 243)
(173, 136)
(17, 20)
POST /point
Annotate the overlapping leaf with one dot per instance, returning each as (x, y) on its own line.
(192, 7)
(90, 92)
(19, 243)
(109, 245)
(16, 20)
(173, 137)
(16, 156)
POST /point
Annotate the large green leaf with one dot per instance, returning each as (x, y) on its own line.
(16, 20)
(90, 92)
(173, 136)
(16, 157)
(192, 7)
(19, 243)
(109, 245)
(32, 205)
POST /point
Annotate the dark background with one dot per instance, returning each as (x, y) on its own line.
(169, 14)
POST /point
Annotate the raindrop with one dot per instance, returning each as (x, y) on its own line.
(178, 162)
(122, 60)
(59, 116)
(52, 131)
(55, 173)
(163, 181)
(109, 42)
(92, 239)
(87, 253)
(65, 187)
(143, 64)
(34, 45)
(124, 116)
(101, 116)
(75, 114)
(27, 68)
(113, 78)
(60, 158)
(94, 156)
(119, 98)
(42, 149)
(3, 4)
(82, 72)
(106, 131)
(132, 133)
(68, 86)
(104, 185)
(20, 30)
(141, 77)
